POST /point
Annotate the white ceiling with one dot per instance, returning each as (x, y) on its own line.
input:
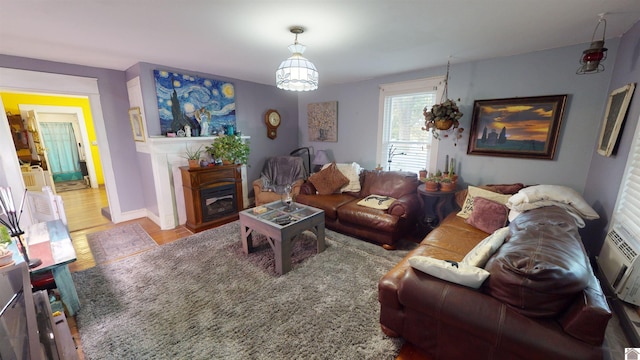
(348, 40)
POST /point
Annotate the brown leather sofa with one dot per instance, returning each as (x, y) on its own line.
(540, 301)
(385, 227)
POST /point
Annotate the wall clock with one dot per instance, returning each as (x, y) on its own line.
(273, 120)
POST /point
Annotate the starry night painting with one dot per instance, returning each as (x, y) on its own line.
(207, 106)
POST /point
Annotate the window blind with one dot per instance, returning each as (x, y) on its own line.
(404, 145)
(627, 210)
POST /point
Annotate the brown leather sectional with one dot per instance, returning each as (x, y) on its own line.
(541, 301)
(385, 227)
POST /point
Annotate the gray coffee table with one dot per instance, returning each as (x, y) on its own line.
(280, 225)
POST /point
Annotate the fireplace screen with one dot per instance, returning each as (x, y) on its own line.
(218, 202)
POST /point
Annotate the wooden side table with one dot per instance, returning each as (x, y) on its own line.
(436, 205)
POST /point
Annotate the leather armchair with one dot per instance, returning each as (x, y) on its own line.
(277, 172)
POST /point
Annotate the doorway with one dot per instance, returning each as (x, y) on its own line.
(76, 161)
(49, 83)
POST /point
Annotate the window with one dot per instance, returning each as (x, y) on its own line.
(627, 209)
(402, 144)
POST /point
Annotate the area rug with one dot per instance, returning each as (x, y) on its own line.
(70, 185)
(119, 242)
(201, 297)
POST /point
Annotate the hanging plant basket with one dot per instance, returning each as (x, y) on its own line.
(443, 116)
(443, 123)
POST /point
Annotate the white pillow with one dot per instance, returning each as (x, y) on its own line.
(352, 172)
(458, 273)
(479, 255)
(472, 192)
(558, 193)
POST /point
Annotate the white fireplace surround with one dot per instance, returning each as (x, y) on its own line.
(167, 155)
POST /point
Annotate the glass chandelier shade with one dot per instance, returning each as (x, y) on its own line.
(297, 73)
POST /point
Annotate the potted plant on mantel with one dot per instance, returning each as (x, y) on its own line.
(193, 156)
(230, 149)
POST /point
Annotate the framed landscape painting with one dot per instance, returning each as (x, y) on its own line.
(517, 127)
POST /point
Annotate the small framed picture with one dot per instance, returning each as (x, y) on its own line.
(136, 124)
(619, 100)
(525, 127)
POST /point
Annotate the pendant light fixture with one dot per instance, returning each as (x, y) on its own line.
(591, 58)
(297, 73)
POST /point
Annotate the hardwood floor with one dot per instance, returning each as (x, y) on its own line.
(84, 216)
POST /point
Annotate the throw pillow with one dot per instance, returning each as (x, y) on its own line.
(377, 202)
(488, 215)
(479, 255)
(352, 172)
(328, 180)
(473, 191)
(451, 271)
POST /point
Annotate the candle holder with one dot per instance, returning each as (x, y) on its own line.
(20, 242)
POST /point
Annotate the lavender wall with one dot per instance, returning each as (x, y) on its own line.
(549, 72)
(605, 173)
(252, 101)
(114, 101)
(132, 170)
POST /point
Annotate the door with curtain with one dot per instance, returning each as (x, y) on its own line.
(62, 152)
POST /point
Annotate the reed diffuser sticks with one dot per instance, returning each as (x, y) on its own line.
(10, 217)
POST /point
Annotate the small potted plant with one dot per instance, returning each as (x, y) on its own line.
(447, 184)
(193, 156)
(422, 173)
(452, 175)
(230, 149)
(431, 183)
(5, 240)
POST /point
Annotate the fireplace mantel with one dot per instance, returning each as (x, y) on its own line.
(167, 155)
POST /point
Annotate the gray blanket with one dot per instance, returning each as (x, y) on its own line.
(279, 171)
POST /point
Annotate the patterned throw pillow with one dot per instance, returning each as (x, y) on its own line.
(352, 172)
(377, 201)
(451, 271)
(328, 180)
(473, 191)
